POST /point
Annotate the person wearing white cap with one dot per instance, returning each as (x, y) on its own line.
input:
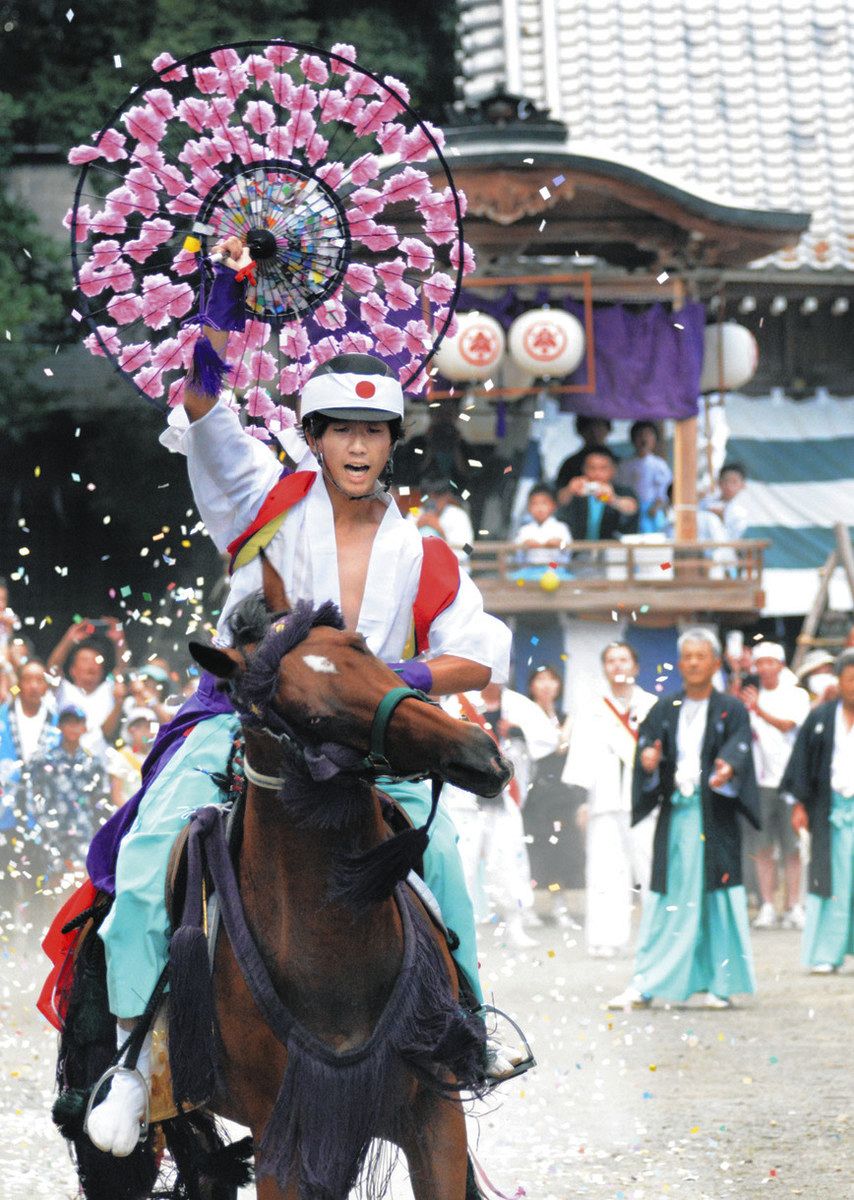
(777, 710)
(124, 761)
(331, 532)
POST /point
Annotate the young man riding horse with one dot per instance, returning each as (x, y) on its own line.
(331, 534)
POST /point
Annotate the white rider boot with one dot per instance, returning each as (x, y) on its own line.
(115, 1124)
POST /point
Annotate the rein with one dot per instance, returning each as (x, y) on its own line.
(375, 761)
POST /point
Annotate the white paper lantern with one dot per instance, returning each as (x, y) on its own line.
(474, 352)
(730, 357)
(546, 342)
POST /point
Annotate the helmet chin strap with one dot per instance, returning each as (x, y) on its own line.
(327, 474)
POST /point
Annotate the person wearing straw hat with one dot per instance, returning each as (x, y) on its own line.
(816, 673)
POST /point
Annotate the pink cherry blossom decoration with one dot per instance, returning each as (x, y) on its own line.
(165, 60)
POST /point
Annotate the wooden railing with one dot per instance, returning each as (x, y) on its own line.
(658, 576)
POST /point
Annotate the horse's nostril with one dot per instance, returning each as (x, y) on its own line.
(501, 766)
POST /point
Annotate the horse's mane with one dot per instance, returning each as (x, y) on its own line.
(256, 690)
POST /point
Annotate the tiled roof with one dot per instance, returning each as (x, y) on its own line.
(751, 98)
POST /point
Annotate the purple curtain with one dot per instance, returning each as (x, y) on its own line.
(645, 365)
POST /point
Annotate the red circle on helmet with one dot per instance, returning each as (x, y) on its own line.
(365, 389)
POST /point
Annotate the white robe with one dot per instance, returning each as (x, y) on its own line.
(231, 473)
(600, 760)
(491, 835)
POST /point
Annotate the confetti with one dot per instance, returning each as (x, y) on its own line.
(558, 180)
(665, 566)
(662, 278)
(545, 193)
(117, 61)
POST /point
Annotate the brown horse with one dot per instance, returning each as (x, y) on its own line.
(335, 965)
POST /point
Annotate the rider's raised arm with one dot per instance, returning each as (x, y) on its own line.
(230, 471)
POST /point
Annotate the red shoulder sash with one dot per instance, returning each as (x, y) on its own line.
(437, 588)
(282, 497)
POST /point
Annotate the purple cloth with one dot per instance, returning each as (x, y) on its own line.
(646, 368)
(414, 674)
(207, 701)
(225, 307)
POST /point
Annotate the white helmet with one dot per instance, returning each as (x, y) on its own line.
(353, 387)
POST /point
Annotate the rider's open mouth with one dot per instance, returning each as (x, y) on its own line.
(357, 471)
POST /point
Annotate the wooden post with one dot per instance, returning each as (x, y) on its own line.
(684, 459)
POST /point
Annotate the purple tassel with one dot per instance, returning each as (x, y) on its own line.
(208, 370)
(192, 1044)
(368, 878)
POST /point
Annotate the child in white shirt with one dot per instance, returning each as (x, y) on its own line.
(544, 539)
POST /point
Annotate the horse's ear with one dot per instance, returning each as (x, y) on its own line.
(219, 660)
(275, 596)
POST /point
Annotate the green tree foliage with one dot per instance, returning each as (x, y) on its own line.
(32, 318)
(65, 71)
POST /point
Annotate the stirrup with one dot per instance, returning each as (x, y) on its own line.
(527, 1062)
(108, 1074)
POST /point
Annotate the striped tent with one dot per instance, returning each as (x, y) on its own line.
(799, 456)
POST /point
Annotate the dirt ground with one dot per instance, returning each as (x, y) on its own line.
(669, 1102)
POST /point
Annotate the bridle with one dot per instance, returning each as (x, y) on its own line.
(373, 764)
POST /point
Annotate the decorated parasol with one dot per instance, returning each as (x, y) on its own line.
(340, 192)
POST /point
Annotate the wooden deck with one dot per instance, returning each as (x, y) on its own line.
(651, 579)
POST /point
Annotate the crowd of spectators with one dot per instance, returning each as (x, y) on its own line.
(564, 828)
(443, 483)
(74, 732)
(76, 728)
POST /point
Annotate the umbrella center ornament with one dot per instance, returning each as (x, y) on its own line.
(544, 341)
(295, 229)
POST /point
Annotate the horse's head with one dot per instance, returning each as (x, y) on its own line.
(319, 683)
